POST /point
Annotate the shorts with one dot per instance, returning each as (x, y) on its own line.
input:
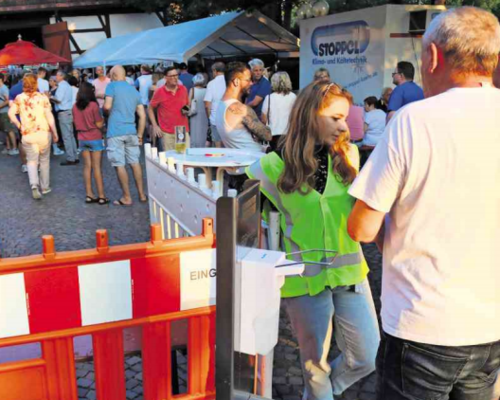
(6, 125)
(215, 134)
(91, 145)
(123, 150)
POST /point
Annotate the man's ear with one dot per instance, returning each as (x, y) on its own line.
(435, 56)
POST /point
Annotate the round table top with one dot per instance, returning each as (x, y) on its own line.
(215, 157)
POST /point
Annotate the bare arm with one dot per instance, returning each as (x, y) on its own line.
(108, 103)
(99, 124)
(4, 104)
(13, 116)
(255, 102)
(208, 108)
(52, 123)
(365, 127)
(390, 114)
(263, 118)
(251, 121)
(142, 121)
(365, 223)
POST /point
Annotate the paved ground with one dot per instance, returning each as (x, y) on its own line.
(64, 214)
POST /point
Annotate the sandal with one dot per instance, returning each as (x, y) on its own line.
(90, 200)
(102, 201)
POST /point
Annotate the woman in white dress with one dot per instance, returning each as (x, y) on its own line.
(277, 106)
(198, 121)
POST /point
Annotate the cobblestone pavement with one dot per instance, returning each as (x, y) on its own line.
(64, 214)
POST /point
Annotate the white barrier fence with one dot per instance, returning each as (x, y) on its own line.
(176, 201)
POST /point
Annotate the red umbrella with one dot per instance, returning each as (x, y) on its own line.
(27, 53)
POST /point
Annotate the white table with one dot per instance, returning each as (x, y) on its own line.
(233, 161)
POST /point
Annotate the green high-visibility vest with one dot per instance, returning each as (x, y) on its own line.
(313, 221)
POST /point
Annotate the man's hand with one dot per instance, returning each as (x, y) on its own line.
(55, 137)
(157, 131)
(140, 139)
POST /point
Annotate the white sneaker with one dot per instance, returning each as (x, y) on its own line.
(46, 191)
(14, 152)
(5, 151)
(36, 193)
(58, 152)
(24, 168)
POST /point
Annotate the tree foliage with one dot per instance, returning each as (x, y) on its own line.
(281, 11)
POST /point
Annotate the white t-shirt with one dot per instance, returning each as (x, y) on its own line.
(75, 93)
(215, 91)
(436, 172)
(279, 111)
(143, 83)
(375, 119)
(43, 85)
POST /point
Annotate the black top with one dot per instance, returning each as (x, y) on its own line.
(321, 174)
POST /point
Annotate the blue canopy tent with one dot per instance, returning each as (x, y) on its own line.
(226, 35)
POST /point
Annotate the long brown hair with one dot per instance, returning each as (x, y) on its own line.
(302, 136)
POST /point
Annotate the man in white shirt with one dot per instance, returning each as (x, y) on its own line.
(215, 90)
(64, 105)
(43, 84)
(143, 83)
(432, 178)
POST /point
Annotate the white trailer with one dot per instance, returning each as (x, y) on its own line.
(361, 48)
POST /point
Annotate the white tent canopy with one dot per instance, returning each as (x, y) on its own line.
(227, 35)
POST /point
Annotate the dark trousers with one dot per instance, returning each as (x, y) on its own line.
(417, 371)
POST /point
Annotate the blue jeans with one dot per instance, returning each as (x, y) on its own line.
(356, 332)
(417, 371)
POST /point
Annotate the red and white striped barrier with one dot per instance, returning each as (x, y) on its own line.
(82, 295)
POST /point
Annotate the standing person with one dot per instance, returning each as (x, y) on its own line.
(406, 90)
(321, 74)
(16, 90)
(260, 88)
(143, 83)
(198, 122)
(37, 123)
(215, 91)
(88, 123)
(100, 85)
(374, 122)
(185, 77)
(43, 84)
(237, 123)
(307, 180)
(73, 82)
(278, 106)
(52, 92)
(64, 103)
(124, 138)
(172, 103)
(356, 123)
(440, 297)
(5, 124)
(384, 99)
(76, 73)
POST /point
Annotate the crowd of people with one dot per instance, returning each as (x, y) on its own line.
(424, 194)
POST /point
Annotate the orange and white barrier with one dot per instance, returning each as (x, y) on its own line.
(53, 297)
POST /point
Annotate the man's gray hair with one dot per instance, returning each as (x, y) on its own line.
(256, 62)
(469, 38)
(219, 66)
(199, 79)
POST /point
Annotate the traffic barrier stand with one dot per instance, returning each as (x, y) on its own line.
(54, 297)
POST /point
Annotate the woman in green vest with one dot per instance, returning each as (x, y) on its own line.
(306, 179)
